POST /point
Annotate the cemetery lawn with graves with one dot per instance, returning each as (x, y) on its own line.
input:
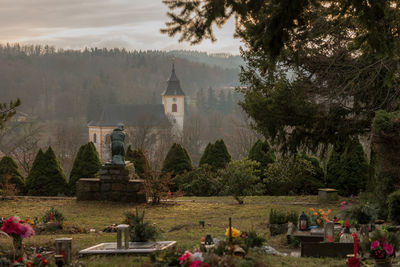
(178, 220)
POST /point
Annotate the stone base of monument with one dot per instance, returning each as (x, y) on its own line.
(114, 184)
(139, 248)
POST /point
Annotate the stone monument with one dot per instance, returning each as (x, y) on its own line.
(115, 182)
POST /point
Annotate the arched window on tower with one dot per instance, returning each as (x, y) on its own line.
(94, 138)
(174, 108)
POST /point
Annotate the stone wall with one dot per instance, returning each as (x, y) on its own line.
(114, 184)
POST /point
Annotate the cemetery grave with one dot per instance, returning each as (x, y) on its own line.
(180, 221)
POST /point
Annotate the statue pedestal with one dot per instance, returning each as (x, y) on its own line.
(114, 184)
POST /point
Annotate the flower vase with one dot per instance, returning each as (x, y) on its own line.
(18, 248)
(383, 262)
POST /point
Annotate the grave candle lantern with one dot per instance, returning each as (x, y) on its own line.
(303, 222)
(64, 248)
(123, 236)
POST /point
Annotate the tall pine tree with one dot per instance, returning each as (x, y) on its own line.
(8, 166)
(86, 165)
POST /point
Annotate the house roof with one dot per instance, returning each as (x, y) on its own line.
(174, 85)
(131, 115)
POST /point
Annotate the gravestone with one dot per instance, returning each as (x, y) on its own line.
(327, 194)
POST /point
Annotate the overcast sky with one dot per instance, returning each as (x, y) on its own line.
(76, 24)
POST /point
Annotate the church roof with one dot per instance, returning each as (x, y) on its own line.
(131, 115)
(174, 85)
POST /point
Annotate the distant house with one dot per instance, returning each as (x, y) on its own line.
(171, 111)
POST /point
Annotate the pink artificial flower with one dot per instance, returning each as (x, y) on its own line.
(26, 230)
(11, 226)
(195, 264)
(375, 244)
(388, 248)
(343, 203)
(184, 257)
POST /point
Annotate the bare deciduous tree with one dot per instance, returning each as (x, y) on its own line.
(20, 139)
(240, 137)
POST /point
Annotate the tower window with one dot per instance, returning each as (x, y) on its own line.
(94, 138)
(174, 108)
(174, 99)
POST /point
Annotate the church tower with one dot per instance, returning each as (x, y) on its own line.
(173, 100)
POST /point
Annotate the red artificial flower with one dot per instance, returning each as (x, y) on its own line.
(353, 262)
(20, 259)
(38, 256)
(29, 264)
(44, 262)
(205, 264)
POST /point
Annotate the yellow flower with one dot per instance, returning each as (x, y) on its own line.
(235, 232)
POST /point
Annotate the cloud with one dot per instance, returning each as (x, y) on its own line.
(133, 24)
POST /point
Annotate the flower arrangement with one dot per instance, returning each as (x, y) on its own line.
(196, 259)
(235, 232)
(16, 228)
(319, 217)
(382, 245)
(38, 261)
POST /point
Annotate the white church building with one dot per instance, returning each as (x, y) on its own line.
(172, 110)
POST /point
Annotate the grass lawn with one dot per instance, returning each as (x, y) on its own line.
(178, 221)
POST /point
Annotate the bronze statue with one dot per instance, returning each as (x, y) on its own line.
(117, 145)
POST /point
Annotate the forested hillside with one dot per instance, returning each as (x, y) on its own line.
(58, 84)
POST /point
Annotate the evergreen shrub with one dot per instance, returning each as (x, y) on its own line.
(216, 155)
(46, 177)
(177, 160)
(140, 231)
(201, 181)
(394, 207)
(57, 216)
(347, 168)
(240, 179)
(262, 153)
(139, 160)
(300, 175)
(86, 165)
(8, 166)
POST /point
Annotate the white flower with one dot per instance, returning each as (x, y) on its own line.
(198, 256)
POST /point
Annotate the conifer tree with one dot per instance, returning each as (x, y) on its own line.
(46, 177)
(262, 153)
(222, 102)
(177, 160)
(216, 155)
(86, 165)
(229, 102)
(8, 166)
(139, 160)
(211, 99)
(36, 170)
(200, 100)
(348, 172)
(334, 165)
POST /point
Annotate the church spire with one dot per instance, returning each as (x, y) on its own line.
(174, 85)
